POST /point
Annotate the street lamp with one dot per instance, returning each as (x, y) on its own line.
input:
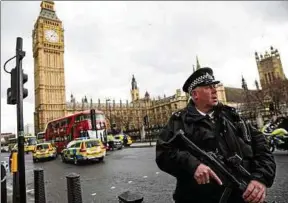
(112, 124)
(146, 121)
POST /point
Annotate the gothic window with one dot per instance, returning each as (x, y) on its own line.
(266, 78)
(273, 76)
(269, 76)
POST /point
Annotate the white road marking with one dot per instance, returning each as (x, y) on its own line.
(93, 194)
(145, 176)
(112, 187)
(130, 182)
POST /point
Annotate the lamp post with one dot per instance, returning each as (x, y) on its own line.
(110, 114)
(147, 122)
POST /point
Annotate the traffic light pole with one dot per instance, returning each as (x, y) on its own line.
(15, 95)
(20, 125)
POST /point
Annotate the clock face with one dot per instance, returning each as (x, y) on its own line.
(51, 36)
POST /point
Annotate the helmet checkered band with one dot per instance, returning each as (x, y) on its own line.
(203, 78)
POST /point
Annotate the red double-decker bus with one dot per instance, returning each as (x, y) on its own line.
(63, 130)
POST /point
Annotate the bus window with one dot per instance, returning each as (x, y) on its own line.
(40, 137)
(87, 117)
(57, 139)
(100, 116)
(78, 118)
(64, 123)
(69, 121)
(84, 134)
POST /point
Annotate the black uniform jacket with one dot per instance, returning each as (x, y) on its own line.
(176, 161)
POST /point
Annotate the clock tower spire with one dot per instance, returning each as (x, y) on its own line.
(48, 54)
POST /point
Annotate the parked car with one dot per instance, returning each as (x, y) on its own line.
(83, 150)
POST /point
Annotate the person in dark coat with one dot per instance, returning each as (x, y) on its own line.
(214, 127)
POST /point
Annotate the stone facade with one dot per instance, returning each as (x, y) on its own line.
(48, 54)
(269, 67)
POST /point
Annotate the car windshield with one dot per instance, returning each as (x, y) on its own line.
(44, 146)
(93, 143)
(31, 141)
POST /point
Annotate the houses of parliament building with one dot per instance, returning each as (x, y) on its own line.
(49, 83)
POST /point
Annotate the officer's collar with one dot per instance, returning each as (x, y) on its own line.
(194, 115)
(210, 113)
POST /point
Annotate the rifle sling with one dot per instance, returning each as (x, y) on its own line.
(229, 139)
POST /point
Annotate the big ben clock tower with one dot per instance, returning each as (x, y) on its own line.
(48, 54)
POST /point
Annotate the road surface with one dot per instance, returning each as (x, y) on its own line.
(131, 169)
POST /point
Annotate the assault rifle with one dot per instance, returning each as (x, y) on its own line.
(219, 166)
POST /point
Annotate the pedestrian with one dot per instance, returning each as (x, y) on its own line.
(125, 140)
(214, 127)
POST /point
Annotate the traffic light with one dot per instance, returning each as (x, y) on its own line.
(12, 91)
(10, 99)
(25, 79)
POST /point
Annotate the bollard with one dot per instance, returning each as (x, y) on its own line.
(74, 188)
(130, 197)
(3, 184)
(39, 186)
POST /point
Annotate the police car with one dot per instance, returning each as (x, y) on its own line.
(81, 150)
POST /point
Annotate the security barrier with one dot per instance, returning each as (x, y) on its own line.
(74, 193)
(39, 186)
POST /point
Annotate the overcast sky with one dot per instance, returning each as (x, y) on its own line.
(107, 42)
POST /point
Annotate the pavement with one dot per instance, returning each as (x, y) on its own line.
(131, 169)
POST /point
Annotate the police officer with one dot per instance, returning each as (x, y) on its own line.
(215, 127)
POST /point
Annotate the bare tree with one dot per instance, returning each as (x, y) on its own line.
(278, 91)
(123, 122)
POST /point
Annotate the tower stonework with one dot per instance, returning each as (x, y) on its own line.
(269, 67)
(48, 54)
(134, 90)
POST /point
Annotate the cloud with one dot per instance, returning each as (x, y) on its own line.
(107, 42)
